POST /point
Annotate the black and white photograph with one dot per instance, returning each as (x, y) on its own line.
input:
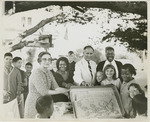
(74, 60)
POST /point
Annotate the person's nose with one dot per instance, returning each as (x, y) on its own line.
(47, 61)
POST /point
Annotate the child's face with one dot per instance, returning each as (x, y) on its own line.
(28, 68)
(71, 57)
(133, 91)
(99, 76)
(18, 64)
(126, 75)
(109, 72)
(8, 60)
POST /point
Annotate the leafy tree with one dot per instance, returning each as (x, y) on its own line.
(133, 38)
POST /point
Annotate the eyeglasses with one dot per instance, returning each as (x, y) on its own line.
(44, 59)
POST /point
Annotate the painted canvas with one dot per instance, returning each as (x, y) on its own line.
(96, 102)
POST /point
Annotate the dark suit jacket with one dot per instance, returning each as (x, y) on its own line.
(118, 63)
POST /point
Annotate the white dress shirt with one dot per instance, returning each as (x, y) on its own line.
(114, 64)
(82, 72)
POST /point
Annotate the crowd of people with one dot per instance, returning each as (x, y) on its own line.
(44, 86)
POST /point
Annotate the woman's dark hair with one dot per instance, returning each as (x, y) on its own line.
(107, 67)
(138, 87)
(62, 59)
(130, 67)
(41, 54)
(43, 102)
(139, 103)
(15, 59)
(8, 54)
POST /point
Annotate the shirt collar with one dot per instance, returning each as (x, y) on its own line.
(86, 60)
(110, 62)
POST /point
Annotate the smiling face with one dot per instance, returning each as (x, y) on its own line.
(71, 57)
(88, 53)
(62, 66)
(126, 75)
(18, 64)
(28, 68)
(45, 61)
(110, 55)
(99, 76)
(8, 60)
(133, 91)
(109, 72)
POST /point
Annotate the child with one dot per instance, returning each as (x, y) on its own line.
(127, 72)
(110, 76)
(140, 105)
(44, 106)
(99, 78)
(135, 89)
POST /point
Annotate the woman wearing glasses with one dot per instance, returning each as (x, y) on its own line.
(42, 82)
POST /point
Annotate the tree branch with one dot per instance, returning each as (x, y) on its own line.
(33, 30)
(41, 24)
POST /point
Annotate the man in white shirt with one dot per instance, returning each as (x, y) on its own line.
(85, 69)
(110, 54)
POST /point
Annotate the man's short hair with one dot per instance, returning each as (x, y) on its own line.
(70, 52)
(109, 48)
(15, 59)
(88, 47)
(28, 64)
(8, 54)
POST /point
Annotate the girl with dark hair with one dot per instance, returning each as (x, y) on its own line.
(135, 89)
(99, 78)
(127, 72)
(62, 75)
(140, 104)
(110, 76)
(42, 82)
(44, 106)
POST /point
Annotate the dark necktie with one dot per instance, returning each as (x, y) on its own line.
(90, 69)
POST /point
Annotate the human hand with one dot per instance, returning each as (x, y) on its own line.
(69, 85)
(19, 98)
(19, 90)
(6, 95)
(84, 83)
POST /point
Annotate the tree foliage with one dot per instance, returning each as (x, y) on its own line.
(133, 38)
(138, 7)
